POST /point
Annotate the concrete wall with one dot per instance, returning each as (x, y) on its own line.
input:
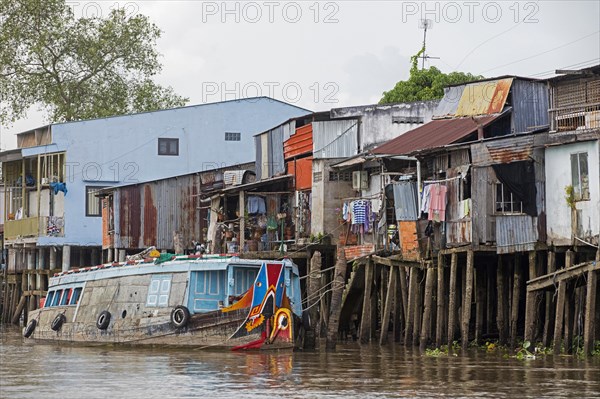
(558, 176)
(124, 150)
(326, 197)
(380, 123)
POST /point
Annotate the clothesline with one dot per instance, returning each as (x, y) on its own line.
(442, 180)
(362, 198)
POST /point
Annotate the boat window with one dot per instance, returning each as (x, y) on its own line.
(49, 298)
(66, 296)
(76, 295)
(159, 290)
(243, 279)
(56, 299)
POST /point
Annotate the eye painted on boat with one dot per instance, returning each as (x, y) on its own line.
(258, 283)
(123, 314)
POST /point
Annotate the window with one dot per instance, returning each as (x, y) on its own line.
(579, 176)
(506, 201)
(317, 177)
(93, 206)
(340, 176)
(49, 299)
(233, 136)
(56, 299)
(66, 297)
(76, 296)
(167, 146)
(159, 290)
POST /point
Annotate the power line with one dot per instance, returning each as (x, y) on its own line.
(542, 53)
(582, 64)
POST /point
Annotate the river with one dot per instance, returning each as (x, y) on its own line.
(31, 370)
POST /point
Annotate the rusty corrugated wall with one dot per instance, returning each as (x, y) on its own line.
(149, 214)
(515, 233)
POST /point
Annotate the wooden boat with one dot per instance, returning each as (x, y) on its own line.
(198, 301)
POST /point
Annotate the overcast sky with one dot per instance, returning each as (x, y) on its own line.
(327, 54)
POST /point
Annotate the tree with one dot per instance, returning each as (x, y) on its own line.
(424, 84)
(77, 68)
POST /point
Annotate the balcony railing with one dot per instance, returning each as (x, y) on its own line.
(575, 118)
(34, 227)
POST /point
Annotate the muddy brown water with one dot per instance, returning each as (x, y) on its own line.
(49, 371)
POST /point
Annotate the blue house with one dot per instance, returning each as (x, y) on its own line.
(52, 213)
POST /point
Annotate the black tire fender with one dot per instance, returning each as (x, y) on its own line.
(58, 322)
(103, 320)
(29, 329)
(306, 321)
(180, 316)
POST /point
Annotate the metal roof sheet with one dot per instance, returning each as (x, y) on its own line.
(436, 133)
(484, 98)
(449, 103)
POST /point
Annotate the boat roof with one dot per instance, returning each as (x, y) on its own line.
(177, 264)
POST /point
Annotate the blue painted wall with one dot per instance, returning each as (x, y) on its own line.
(124, 149)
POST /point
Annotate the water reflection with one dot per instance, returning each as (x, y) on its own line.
(36, 370)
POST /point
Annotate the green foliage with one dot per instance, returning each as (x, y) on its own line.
(524, 353)
(455, 346)
(77, 68)
(543, 350)
(570, 196)
(437, 352)
(424, 84)
(596, 350)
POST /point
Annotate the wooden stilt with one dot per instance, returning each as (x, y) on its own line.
(418, 314)
(490, 298)
(590, 312)
(313, 293)
(550, 303)
(365, 321)
(479, 302)
(569, 318)
(404, 290)
(441, 299)
(384, 281)
(502, 301)
(385, 319)
(531, 302)
(375, 301)
(466, 316)
(19, 310)
(569, 311)
(339, 281)
(412, 297)
(560, 312)
(516, 296)
(452, 299)
(428, 299)
(398, 307)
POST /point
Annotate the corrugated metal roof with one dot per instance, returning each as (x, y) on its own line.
(506, 150)
(234, 177)
(335, 139)
(484, 98)
(434, 134)
(448, 105)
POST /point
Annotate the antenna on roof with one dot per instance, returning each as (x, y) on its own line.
(425, 24)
